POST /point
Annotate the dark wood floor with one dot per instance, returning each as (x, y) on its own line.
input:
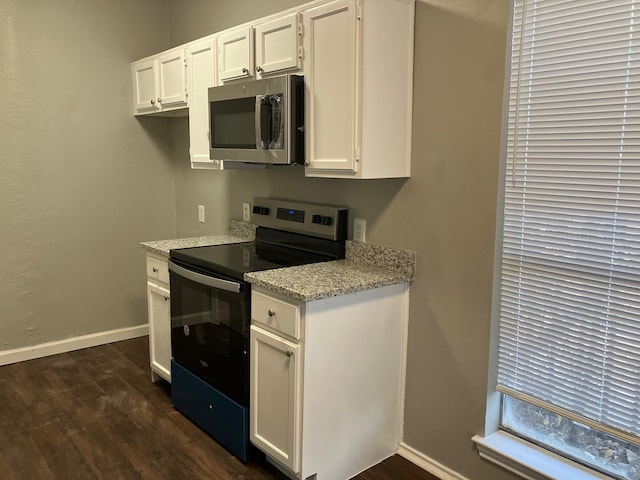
(95, 413)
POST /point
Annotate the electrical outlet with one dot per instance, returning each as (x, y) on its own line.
(201, 213)
(246, 212)
(359, 229)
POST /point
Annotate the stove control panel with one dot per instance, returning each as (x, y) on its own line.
(327, 221)
(290, 214)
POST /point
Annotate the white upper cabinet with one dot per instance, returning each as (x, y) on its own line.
(266, 48)
(144, 74)
(357, 60)
(201, 60)
(330, 97)
(160, 83)
(358, 66)
(235, 54)
(172, 79)
(279, 45)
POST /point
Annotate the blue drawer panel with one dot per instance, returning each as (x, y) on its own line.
(214, 412)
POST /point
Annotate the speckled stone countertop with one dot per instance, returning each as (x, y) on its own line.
(367, 266)
(238, 232)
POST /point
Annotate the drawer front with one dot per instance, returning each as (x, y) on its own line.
(158, 269)
(278, 315)
(218, 415)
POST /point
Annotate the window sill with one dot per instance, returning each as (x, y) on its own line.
(530, 461)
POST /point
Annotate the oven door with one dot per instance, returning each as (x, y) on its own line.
(210, 329)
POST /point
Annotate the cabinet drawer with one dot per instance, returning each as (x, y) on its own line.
(158, 269)
(214, 412)
(276, 314)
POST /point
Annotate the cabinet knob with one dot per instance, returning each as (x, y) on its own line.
(289, 353)
(245, 71)
(159, 100)
(166, 298)
(155, 270)
(153, 102)
(259, 68)
(271, 312)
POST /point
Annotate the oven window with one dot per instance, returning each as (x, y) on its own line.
(209, 334)
(233, 123)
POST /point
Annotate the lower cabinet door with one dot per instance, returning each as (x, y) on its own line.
(159, 330)
(275, 408)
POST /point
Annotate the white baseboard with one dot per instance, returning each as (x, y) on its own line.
(430, 465)
(73, 343)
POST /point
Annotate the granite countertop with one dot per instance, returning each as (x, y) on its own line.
(238, 232)
(366, 266)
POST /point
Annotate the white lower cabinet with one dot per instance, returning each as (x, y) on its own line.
(275, 385)
(327, 380)
(159, 315)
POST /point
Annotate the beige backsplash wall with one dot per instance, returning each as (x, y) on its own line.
(445, 211)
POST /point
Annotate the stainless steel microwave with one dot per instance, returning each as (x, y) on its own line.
(258, 121)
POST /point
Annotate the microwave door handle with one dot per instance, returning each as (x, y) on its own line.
(258, 123)
(205, 279)
(263, 122)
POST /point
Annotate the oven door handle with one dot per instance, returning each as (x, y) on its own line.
(205, 279)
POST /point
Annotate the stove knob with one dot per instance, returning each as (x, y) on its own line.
(316, 219)
(258, 210)
(327, 220)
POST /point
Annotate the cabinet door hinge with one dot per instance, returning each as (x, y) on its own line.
(300, 29)
(359, 11)
(300, 52)
(357, 154)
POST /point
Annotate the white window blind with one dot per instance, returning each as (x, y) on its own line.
(570, 274)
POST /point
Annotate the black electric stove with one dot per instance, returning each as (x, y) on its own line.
(211, 310)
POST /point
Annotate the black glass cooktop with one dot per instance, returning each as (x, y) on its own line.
(272, 249)
(235, 259)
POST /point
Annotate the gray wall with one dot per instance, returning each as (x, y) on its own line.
(82, 182)
(445, 211)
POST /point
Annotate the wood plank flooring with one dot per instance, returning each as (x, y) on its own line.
(94, 413)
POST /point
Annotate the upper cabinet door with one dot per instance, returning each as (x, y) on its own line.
(330, 79)
(201, 60)
(358, 67)
(172, 79)
(144, 86)
(278, 45)
(235, 54)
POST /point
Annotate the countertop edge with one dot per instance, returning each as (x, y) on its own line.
(238, 232)
(326, 293)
